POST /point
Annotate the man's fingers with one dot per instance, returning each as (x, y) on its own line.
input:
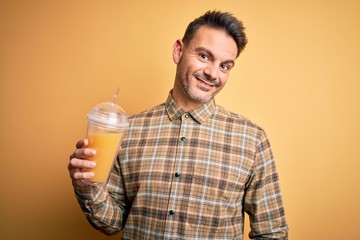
(77, 175)
(80, 163)
(79, 167)
(82, 143)
(83, 153)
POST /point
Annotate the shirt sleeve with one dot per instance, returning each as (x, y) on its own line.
(105, 207)
(263, 201)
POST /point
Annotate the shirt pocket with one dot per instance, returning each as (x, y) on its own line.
(216, 196)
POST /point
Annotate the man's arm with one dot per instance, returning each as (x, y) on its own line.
(104, 206)
(263, 201)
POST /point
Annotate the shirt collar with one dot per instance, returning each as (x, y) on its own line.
(199, 114)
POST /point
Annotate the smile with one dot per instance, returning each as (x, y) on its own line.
(204, 82)
(203, 85)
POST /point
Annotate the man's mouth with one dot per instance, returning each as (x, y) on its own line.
(205, 83)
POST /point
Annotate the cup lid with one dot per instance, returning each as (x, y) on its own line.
(109, 115)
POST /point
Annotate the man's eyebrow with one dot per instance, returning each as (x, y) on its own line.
(211, 55)
(232, 62)
(202, 49)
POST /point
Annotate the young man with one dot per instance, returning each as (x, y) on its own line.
(188, 168)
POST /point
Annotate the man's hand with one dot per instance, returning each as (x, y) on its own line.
(78, 164)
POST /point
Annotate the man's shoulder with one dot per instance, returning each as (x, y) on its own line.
(236, 118)
(153, 111)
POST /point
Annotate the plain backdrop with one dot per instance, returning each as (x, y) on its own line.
(298, 78)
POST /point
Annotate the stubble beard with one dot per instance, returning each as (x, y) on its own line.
(195, 92)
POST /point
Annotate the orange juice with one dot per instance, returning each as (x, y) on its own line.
(107, 123)
(106, 145)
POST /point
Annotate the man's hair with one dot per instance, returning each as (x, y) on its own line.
(222, 21)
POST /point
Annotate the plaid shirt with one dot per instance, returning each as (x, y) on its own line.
(189, 175)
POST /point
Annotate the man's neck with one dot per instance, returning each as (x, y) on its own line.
(184, 103)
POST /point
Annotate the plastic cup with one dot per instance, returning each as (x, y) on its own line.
(107, 123)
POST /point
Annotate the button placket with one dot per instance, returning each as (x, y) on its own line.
(184, 118)
(176, 171)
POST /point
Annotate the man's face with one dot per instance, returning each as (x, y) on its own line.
(203, 66)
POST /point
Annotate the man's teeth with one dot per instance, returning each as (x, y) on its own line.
(205, 82)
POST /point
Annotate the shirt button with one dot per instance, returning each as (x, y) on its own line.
(171, 212)
(177, 174)
(186, 115)
(183, 139)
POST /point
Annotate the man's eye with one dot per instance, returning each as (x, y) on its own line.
(204, 56)
(225, 67)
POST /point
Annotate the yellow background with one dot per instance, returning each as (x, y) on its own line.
(298, 78)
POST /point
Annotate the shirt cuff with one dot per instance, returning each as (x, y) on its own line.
(88, 193)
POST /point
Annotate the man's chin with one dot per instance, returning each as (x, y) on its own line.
(202, 98)
(200, 95)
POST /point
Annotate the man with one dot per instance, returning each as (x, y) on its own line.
(188, 168)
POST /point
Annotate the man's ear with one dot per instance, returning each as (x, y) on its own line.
(178, 49)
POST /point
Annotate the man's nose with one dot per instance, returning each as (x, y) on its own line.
(211, 71)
